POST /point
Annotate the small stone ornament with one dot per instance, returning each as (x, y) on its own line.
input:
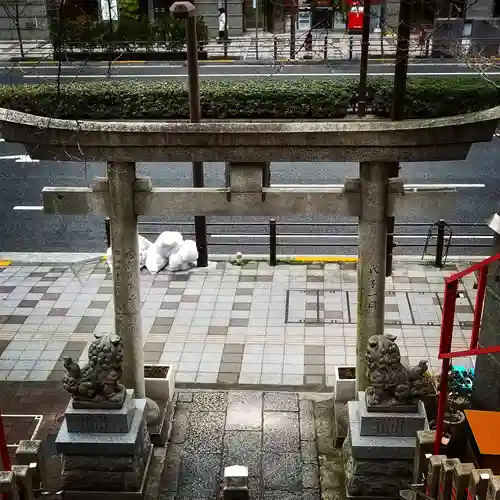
(96, 385)
(393, 387)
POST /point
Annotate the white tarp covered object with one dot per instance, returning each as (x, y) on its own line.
(168, 250)
(144, 245)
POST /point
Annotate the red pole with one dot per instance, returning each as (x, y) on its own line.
(450, 298)
(443, 390)
(4, 451)
(478, 309)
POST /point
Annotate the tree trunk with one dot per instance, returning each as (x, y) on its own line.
(18, 29)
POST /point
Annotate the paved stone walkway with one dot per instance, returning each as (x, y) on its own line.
(271, 433)
(251, 325)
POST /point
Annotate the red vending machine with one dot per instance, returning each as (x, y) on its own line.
(355, 17)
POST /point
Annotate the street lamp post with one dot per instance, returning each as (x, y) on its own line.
(363, 67)
(186, 10)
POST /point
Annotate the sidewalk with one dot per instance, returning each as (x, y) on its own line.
(33, 49)
(248, 326)
(244, 47)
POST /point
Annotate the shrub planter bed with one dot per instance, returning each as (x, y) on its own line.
(160, 382)
(246, 100)
(345, 383)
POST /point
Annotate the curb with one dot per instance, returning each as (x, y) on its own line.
(237, 60)
(25, 258)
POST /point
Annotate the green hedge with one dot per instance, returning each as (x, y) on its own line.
(254, 99)
(126, 34)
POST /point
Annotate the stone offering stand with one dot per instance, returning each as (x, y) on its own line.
(379, 449)
(105, 452)
(106, 439)
(447, 478)
(26, 475)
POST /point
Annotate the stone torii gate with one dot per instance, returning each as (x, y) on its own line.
(247, 149)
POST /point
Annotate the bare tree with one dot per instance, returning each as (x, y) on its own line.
(14, 10)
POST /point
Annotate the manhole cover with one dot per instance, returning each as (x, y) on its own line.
(401, 308)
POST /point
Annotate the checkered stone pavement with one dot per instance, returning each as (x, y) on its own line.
(258, 325)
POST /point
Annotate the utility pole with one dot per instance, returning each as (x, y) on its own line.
(186, 10)
(293, 26)
(363, 68)
(401, 66)
(225, 28)
(256, 29)
(398, 102)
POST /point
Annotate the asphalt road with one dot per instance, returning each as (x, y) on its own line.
(21, 183)
(47, 71)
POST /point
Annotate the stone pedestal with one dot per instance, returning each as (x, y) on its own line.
(105, 453)
(379, 450)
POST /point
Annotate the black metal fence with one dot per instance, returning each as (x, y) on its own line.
(436, 242)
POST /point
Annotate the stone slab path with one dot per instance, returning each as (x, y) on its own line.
(271, 433)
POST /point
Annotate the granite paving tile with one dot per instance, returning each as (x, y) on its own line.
(281, 432)
(209, 402)
(202, 425)
(282, 472)
(244, 411)
(308, 452)
(278, 401)
(243, 448)
(199, 477)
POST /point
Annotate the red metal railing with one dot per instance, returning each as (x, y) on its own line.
(4, 450)
(445, 353)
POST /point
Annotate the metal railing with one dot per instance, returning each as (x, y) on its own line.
(316, 45)
(437, 236)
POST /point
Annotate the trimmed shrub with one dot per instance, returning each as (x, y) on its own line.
(254, 99)
(130, 32)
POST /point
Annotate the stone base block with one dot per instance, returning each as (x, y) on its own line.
(377, 447)
(139, 494)
(109, 473)
(112, 463)
(390, 423)
(382, 467)
(380, 478)
(160, 432)
(106, 443)
(97, 420)
(375, 485)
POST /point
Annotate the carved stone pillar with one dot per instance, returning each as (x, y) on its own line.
(372, 230)
(126, 280)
